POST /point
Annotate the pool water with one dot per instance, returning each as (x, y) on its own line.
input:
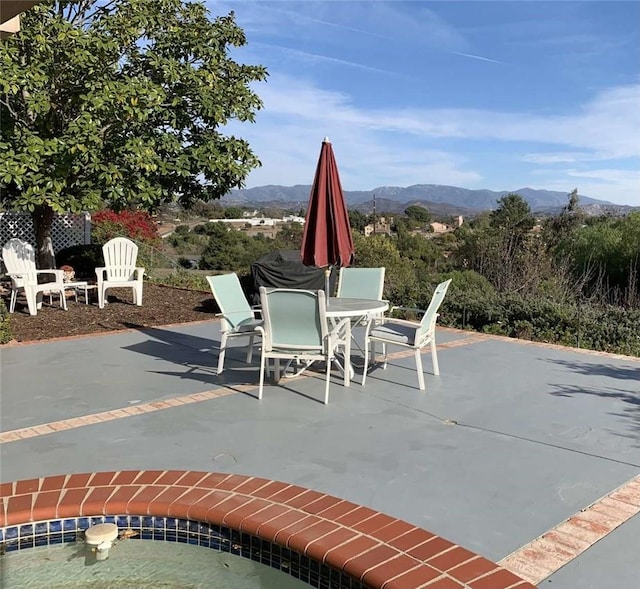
(138, 564)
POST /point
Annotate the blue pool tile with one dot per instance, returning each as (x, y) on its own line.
(159, 522)
(170, 523)
(122, 521)
(83, 523)
(69, 524)
(41, 528)
(26, 530)
(55, 538)
(55, 525)
(135, 521)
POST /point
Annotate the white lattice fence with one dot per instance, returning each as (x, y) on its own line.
(67, 230)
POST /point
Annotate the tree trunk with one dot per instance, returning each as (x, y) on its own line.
(42, 218)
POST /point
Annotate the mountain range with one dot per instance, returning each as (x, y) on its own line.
(438, 198)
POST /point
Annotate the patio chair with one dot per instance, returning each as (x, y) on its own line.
(407, 334)
(20, 260)
(296, 328)
(120, 270)
(237, 317)
(361, 283)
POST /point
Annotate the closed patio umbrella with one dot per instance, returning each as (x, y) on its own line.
(327, 240)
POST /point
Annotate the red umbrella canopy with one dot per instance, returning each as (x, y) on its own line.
(326, 240)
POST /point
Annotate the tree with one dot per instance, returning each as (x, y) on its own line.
(513, 214)
(418, 214)
(120, 103)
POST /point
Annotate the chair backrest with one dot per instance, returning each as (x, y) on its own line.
(431, 315)
(231, 299)
(294, 319)
(120, 256)
(361, 283)
(19, 257)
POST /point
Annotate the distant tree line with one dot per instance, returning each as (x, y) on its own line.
(564, 278)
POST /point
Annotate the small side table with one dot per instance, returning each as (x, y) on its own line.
(76, 286)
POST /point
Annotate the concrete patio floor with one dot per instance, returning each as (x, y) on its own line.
(509, 442)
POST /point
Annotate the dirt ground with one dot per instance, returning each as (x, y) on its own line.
(161, 305)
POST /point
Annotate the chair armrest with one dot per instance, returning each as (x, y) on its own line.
(397, 321)
(139, 273)
(100, 272)
(59, 274)
(415, 310)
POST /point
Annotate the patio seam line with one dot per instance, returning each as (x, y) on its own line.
(558, 546)
(137, 492)
(52, 427)
(469, 333)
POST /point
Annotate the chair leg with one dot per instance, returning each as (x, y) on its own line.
(261, 386)
(434, 356)
(31, 301)
(367, 345)
(12, 303)
(250, 349)
(137, 295)
(347, 364)
(418, 356)
(327, 378)
(63, 299)
(222, 351)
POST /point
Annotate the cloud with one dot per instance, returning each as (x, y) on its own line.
(378, 146)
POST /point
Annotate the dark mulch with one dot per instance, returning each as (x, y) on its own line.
(161, 305)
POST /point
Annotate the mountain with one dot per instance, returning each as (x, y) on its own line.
(439, 199)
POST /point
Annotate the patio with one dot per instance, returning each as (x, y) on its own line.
(511, 441)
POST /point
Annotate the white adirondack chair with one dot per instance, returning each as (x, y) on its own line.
(20, 260)
(120, 270)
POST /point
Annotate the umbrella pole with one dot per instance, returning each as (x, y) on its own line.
(327, 273)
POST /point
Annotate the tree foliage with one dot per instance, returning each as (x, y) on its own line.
(418, 214)
(121, 103)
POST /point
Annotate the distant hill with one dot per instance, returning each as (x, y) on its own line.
(439, 199)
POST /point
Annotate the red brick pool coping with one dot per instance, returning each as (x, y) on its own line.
(379, 550)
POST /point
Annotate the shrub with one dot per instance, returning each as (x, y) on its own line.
(5, 326)
(182, 278)
(136, 225)
(84, 259)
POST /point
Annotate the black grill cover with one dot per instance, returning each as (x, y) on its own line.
(284, 269)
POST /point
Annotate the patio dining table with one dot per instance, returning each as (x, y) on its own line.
(365, 309)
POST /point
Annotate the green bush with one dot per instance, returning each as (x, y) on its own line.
(84, 259)
(182, 278)
(5, 327)
(595, 327)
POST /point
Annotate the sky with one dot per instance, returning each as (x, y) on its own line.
(498, 95)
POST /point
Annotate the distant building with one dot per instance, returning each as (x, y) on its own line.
(436, 227)
(382, 227)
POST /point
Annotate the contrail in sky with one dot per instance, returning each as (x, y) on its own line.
(477, 57)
